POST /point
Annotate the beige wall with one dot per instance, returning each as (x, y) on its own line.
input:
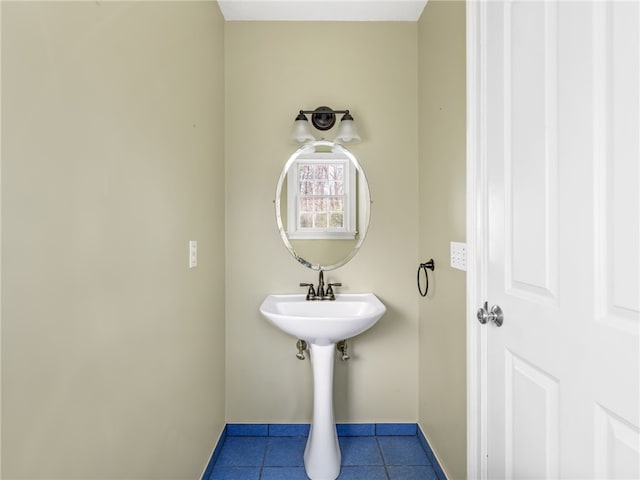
(112, 159)
(113, 139)
(442, 409)
(272, 71)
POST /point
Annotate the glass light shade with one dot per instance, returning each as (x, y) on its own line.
(347, 131)
(301, 132)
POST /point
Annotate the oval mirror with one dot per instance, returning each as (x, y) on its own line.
(322, 205)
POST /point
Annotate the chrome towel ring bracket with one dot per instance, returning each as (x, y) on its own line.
(424, 266)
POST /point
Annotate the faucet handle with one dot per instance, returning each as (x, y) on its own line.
(311, 292)
(329, 293)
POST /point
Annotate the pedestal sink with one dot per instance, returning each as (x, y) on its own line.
(321, 324)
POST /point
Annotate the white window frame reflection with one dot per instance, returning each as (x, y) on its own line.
(294, 195)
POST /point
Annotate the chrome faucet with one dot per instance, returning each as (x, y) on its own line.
(320, 293)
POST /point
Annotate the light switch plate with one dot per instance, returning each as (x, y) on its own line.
(193, 253)
(459, 255)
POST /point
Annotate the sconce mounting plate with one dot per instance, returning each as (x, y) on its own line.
(323, 118)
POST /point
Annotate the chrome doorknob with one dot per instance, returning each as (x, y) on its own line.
(490, 315)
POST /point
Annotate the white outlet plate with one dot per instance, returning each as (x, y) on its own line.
(193, 253)
(459, 255)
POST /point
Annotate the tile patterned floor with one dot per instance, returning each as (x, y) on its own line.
(370, 457)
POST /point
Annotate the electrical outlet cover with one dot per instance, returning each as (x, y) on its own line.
(459, 255)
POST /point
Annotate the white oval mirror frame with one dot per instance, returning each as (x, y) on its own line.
(323, 254)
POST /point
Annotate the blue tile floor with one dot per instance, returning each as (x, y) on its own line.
(375, 457)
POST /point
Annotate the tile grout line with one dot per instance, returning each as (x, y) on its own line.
(384, 461)
(264, 455)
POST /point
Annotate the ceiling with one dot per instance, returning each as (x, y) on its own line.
(323, 10)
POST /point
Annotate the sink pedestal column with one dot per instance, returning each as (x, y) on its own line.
(322, 453)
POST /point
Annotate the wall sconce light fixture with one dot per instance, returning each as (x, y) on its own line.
(324, 118)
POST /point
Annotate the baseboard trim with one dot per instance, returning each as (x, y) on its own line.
(432, 456)
(215, 453)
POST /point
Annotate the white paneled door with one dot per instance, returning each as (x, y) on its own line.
(554, 154)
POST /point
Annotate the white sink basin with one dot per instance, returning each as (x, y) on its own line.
(323, 321)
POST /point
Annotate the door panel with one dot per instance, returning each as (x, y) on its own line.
(616, 442)
(530, 152)
(531, 420)
(559, 115)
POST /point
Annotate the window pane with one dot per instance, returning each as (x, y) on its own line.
(304, 172)
(336, 204)
(331, 188)
(306, 220)
(321, 204)
(321, 172)
(321, 188)
(306, 204)
(306, 188)
(321, 220)
(336, 220)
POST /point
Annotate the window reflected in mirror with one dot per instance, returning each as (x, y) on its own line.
(321, 198)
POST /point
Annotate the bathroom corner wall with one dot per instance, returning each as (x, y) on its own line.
(274, 69)
(112, 159)
(442, 159)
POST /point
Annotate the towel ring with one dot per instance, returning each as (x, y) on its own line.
(424, 266)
